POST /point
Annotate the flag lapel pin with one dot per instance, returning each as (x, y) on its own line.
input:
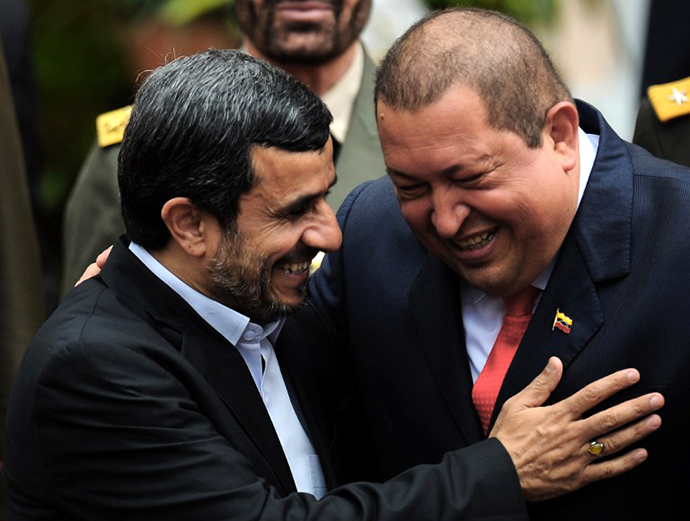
(562, 322)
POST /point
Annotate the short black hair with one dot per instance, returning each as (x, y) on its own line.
(194, 123)
(496, 56)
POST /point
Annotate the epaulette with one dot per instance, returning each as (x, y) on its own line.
(110, 126)
(670, 100)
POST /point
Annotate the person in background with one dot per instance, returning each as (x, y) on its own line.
(317, 42)
(663, 121)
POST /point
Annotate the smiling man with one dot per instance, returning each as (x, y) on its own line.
(514, 225)
(176, 386)
(317, 41)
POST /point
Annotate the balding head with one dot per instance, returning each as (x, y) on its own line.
(491, 53)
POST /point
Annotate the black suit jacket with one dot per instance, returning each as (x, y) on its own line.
(128, 405)
(622, 277)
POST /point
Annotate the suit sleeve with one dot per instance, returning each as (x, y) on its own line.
(112, 433)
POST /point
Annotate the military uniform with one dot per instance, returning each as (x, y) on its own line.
(663, 122)
(92, 215)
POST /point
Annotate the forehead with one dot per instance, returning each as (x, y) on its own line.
(456, 124)
(282, 175)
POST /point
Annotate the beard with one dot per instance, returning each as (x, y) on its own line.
(241, 279)
(311, 43)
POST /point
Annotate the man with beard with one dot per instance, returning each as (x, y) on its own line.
(317, 42)
(173, 387)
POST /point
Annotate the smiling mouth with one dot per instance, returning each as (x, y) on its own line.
(477, 241)
(294, 267)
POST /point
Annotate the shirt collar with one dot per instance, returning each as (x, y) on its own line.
(340, 99)
(223, 319)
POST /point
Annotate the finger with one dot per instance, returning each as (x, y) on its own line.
(539, 390)
(621, 439)
(91, 271)
(622, 414)
(103, 257)
(613, 467)
(598, 391)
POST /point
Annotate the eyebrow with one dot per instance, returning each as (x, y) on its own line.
(303, 200)
(483, 161)
(446, 171)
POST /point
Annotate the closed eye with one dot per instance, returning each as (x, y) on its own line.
(407, 192)
(468, 180)
(303, 206)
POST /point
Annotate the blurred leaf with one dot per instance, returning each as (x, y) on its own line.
(180, 12)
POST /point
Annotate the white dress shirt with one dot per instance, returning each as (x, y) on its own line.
(482, 314)
(255, 344)
(340, 99)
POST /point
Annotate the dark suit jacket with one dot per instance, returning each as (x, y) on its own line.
(92, 219)
(621, 276)
(128, 405)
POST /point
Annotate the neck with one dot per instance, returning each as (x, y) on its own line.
(319, 78)
(189, 269)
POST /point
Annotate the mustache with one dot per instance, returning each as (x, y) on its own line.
(298, 254)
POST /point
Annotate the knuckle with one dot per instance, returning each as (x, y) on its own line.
(592, 394)
(608, 470)
(611, 445)
(608, 422)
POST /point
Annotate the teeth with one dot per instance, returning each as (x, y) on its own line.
(476, 241)
(294, 267)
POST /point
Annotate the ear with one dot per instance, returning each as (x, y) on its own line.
(186, 224)
(561, 125)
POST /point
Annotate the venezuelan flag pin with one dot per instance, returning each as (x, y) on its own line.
(562, 322)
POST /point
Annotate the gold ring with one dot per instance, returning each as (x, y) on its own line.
(596, 448)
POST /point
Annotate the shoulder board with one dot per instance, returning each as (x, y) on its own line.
(670, 100)
(110, 126)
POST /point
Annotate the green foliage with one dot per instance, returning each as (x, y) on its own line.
(529, 12)
(80, 70)
(178, 12)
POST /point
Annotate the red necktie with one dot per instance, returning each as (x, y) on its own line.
(515, 322)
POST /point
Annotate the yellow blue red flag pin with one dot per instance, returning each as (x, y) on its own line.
(562, 322)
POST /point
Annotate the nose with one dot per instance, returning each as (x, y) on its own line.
(324, 233)
(448, 213)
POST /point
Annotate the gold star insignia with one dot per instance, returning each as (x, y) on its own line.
(670, 100)
(678, 96)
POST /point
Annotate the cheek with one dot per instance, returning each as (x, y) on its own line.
(417, 214)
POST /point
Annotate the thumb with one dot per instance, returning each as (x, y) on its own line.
(539, 390)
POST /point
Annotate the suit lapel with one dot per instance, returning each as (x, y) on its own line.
(596, 249)
(360, 157)
(435, 304)
(572, 292)
(300, 374)
(225, 370)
